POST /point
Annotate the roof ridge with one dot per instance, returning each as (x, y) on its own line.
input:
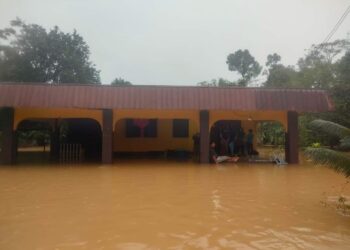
(156, 86)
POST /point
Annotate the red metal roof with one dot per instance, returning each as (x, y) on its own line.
(162, 97)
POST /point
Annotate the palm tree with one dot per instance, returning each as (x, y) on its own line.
(338, 159)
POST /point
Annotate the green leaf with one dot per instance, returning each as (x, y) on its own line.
(333, 159)
(345, 144)
(330, 128)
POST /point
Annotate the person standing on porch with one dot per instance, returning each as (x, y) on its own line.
(231, 142)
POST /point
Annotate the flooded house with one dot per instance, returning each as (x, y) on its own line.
(108, 121)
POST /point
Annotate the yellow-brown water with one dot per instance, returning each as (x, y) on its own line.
(159, 205)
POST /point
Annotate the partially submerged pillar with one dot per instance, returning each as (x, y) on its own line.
(9, 145)
(292, 136)
(107, 136)
(55, 141)
(204, 136)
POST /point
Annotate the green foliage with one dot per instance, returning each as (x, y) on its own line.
(270, 133)
(245, 64)
(324, 53)
(120, 82)
(324, 66)
(308, 135)
(338, 161)
(345, 144)
(220, 82)
(33, 133)
(335, 131)
(29, 53)
(344, 69)
(331, 128)
(333, 159)
(33, 137)
(316, 145)
(320, 75)
(281, 76)
(319, 68)
(273, 59)
(341, 97)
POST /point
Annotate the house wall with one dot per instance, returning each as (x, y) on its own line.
(162, 142)
(164, 139)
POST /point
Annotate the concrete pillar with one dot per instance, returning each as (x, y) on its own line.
(292, 136)
(204, 136)
(55, 141)
(9, 144)
(107, 136)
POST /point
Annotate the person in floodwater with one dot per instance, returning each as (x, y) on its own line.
(218, 159)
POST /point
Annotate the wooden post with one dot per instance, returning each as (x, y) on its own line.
(204, 136)
(107, 136)
(292, 136)
(9, 145)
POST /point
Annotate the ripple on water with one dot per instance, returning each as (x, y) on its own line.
(167, 207)
(132, 246)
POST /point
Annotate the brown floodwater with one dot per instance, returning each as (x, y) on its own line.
(171, 205)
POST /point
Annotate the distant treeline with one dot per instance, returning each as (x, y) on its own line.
(30, 53)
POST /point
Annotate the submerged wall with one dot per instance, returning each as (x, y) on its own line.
(164, 139)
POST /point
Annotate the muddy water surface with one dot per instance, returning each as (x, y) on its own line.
(158, 205)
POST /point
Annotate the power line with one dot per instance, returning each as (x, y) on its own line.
(337, 25)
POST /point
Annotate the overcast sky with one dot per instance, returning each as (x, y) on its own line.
(183, 42)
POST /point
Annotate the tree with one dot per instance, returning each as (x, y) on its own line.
(343, 69)
(29, 53)
(341, 98)
(279, 75)
(336, 160)
(120, 82)
(273, 59)
(324, 66)
(244, 63)
(318, 69)
(325, 53)
(220, 82)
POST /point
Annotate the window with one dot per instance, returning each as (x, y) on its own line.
(180, 128)
(141, 127)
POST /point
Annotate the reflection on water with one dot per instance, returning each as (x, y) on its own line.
(170, 206)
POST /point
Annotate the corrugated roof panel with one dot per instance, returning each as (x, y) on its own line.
(162, 97)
